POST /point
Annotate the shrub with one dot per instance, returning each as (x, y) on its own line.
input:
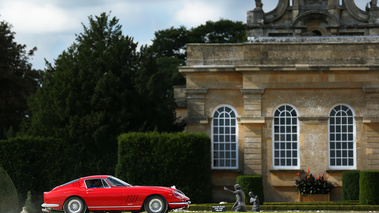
(312, 184)
(350, 185)
(251, 183)
(36, 164)
(181, 159)
(368, 188)
(8, 193)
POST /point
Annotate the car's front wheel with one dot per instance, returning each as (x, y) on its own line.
(155, 204)
(74, 205)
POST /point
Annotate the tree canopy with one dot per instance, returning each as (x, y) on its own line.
(169, 45)
(17, 80)
(100, 87)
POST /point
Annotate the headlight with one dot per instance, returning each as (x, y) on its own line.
(178, 195)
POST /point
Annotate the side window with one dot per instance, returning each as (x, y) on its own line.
(224, 138)
(342, 137)
(285, 138)
(105, 184)
(96, 183)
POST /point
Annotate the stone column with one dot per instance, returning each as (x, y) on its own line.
(196, 105)
(370, 146)
(252, 99)
(295, 9)
(253, 122)
(372, 101)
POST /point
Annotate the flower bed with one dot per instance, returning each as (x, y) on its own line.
(311, 184)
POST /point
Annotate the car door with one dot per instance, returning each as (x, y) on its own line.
(104, 197)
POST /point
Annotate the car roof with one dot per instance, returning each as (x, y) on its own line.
(95, 176)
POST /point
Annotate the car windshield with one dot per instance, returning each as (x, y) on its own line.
(115, 182)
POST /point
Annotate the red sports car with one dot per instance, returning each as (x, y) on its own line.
(108, 193)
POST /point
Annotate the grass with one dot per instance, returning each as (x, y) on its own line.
(341, 206)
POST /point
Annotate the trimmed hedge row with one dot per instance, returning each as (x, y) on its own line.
(251, 183)
(291, 206)
(369, 188)
(181, 159)
(350, 186)
(36, 164)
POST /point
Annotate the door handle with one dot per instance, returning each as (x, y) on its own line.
(89, 190)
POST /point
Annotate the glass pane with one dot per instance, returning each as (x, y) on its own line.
(276, 162)
(351, 162)
(232, 114)
(294, 162)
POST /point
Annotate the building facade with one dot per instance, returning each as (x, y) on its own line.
(276, 106)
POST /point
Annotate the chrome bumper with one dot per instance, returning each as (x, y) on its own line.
(48, 207)
(181, 203)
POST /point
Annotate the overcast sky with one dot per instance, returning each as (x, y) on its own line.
(51, 25)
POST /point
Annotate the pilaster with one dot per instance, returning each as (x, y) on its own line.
(253, 122)
(196, 105)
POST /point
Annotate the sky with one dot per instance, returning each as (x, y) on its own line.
(52, 25)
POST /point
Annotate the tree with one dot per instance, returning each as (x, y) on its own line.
(222, 31)
(17, 81)
(172, 42)
(99, 88)
(169, 45)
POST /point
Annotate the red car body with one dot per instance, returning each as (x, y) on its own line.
(112, 194)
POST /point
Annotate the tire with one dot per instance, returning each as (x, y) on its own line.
(155, 204)
(74, 205)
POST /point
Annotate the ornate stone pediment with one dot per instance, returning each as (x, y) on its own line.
(315, 2)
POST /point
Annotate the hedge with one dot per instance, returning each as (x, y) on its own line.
(180, 159)
(251, 183)
(8, 194)
(36, 164)
(296, 206)
(369, 188)
(350, 185)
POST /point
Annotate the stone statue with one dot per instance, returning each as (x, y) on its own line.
(258, 4)
(239, 205)
(254, 199)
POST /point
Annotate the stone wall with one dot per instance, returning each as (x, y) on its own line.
(311, 74)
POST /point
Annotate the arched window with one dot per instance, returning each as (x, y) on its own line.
(225, 138)
(285, 138)
(342, 137)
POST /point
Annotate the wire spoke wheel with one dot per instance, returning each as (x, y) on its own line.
(155, 204)
(74, 205)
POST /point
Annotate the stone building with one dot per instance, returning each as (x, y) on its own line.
(276, 106)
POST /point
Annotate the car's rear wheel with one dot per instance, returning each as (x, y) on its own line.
(155, 204)
(74, 205)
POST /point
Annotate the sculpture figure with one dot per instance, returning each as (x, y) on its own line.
(254, 199)
(239, 205)
(258, 4)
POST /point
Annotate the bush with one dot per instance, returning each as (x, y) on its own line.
(181, 159)
(251, 183)
(8, 194)
(36, 165)
(350, 185)
(312, 184)
(369, 188)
